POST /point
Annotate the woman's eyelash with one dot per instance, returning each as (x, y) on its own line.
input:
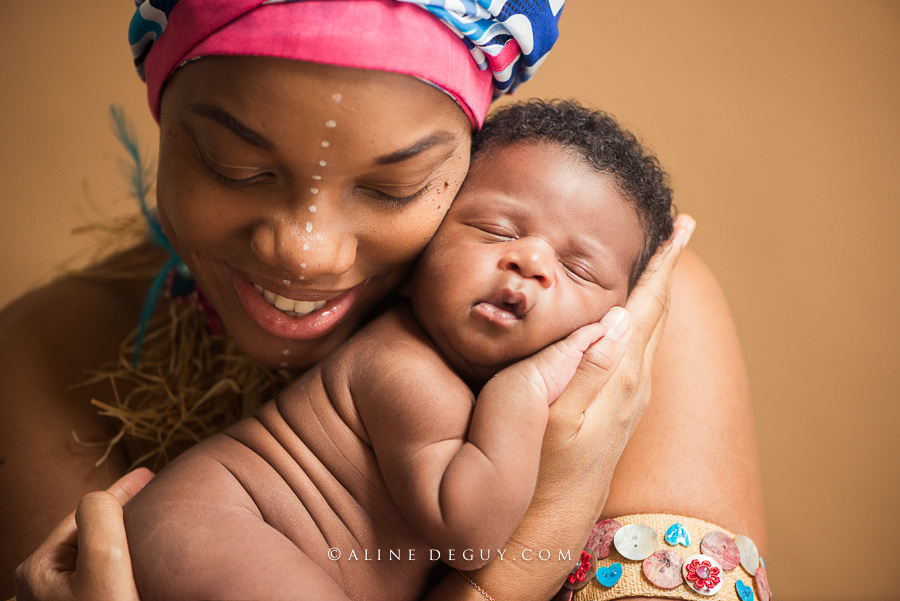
(401, 200)
(239, 183)
(229, 181)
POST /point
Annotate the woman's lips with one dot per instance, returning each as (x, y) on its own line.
(298, 320)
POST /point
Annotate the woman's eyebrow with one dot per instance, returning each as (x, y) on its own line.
(229, 121)
(410, 151)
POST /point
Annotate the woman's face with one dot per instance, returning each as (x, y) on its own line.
(299, 194)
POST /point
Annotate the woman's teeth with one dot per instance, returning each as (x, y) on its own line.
(292, 307)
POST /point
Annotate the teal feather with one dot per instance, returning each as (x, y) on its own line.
(140, 175)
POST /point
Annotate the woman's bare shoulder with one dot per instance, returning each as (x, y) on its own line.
(50, 338)
(78, 318)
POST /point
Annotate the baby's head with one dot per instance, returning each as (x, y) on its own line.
(601, 143)
(557, 218)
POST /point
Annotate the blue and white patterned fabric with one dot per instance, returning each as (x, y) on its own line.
(509, 37)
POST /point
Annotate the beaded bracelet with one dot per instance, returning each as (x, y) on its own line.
(692, 560)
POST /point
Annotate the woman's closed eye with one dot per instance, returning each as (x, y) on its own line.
(233, 175)
(397, 199)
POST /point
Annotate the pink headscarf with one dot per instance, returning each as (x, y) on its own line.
(369, 34)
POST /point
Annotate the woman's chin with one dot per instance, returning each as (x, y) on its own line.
(292, 355)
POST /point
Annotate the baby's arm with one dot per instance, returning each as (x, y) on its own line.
(195, 532)
(462, 474)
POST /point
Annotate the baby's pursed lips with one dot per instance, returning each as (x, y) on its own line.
(511, 301)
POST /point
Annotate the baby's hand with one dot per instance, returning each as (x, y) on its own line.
(551, 368)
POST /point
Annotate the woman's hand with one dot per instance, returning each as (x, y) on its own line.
(588, 428)
(86, 556)
(600, 409)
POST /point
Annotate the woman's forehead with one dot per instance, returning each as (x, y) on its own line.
(282, 99)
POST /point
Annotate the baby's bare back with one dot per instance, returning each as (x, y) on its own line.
(289, 504)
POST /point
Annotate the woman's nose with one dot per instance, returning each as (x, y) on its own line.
(308, 240)
(530, 257)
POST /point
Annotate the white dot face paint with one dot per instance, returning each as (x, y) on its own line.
(286, 352)
(309, 226)
(317, 178)
(325, 143)
(337, 97)
(322, 163)
(313, 190)
(331, 124)
(286, 282)
(302, 265)
(313, 208)
(306, 247)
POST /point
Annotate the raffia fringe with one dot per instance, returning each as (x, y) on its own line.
(188, 383)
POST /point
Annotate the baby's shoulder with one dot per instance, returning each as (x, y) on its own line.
(393, 336)
(393, 354)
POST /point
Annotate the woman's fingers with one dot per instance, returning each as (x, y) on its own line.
(103, 567)
(617, 364)
(86, 555)
(130, 484)
(45, 575)
(649, 300)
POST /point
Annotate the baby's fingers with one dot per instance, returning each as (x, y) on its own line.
(598, 364)
(554, 366)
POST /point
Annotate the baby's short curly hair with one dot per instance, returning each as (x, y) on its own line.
(598, 139)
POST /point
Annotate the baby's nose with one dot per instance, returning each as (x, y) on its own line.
(530, 257)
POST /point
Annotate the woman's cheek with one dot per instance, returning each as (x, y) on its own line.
(447, 186)
(185, 213)
(430, 213)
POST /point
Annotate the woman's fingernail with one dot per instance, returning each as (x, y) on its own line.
(689, 231)
(619, 322)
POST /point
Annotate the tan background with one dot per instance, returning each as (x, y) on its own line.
(780, 123)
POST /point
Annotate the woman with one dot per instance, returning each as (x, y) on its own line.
(242, 144)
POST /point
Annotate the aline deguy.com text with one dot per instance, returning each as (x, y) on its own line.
(336, 554)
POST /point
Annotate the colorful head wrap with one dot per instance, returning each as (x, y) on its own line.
(508, 39)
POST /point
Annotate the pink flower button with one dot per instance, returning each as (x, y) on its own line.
(582, 573)
(703, 574)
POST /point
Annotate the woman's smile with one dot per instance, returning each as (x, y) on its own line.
(294, 308)
(290, 318)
